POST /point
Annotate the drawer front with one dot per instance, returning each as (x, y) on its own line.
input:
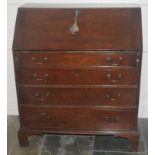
(76, 118)
(48, 59)
(78, 96)
(89, 76)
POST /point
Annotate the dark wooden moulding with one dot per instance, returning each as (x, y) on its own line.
(87, 83)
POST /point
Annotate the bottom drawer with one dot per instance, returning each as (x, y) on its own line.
(76, 118)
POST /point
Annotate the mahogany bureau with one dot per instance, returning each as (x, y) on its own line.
(78, 71)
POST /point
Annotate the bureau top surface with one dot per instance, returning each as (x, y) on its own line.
(47, 28)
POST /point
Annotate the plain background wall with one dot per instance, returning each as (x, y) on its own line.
(12, 11)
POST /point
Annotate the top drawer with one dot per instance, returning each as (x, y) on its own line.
(48, 59)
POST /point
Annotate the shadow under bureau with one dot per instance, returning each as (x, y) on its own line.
(78, 71)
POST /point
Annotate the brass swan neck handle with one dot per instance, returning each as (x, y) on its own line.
(74, 29)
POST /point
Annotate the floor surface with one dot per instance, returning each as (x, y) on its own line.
(49, 144)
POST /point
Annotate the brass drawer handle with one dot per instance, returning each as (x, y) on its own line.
(47, 94)
(137, 60)
(33, 58)
(45, 58)
(109, 60)
(119, 77)
(39, 60)
(44, 116)
(108, 96)
(41, 96)
(74, 29)
(35, 75)
(112, 119)
(36, 94)
(45, 77)
(120, 59)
